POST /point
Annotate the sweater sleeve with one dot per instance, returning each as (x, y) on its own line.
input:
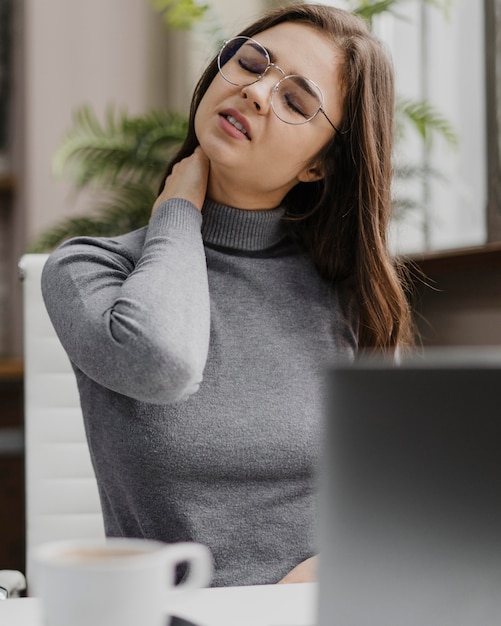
(138, 326)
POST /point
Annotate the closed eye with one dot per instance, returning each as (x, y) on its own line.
(293, 106)
(248, 66)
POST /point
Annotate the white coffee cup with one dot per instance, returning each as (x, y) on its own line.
(114, 582)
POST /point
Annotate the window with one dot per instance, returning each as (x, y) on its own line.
(440, 58)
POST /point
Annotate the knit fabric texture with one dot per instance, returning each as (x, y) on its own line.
(200, 344)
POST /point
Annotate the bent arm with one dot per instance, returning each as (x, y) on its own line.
(136, 323)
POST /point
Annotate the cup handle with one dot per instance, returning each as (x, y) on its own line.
(199, 560)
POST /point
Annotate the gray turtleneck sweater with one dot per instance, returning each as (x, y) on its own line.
(199, 344)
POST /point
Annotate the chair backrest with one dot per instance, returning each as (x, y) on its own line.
(61, 491)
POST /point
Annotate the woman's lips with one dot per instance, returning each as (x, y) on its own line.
(235, 124)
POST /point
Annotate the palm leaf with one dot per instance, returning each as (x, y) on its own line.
(180, 14)
(426, 120)
(369, 9)
(124, 209)
(408, 172)
(122, 149)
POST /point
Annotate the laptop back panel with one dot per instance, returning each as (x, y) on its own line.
(411, 496)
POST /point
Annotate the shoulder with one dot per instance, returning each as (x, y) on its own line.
(126, 248)
(129, 244)
(78, 259)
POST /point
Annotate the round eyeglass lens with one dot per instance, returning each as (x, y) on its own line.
(242, 61)
(296, 99)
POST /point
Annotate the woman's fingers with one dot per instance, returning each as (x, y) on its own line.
(188, 180)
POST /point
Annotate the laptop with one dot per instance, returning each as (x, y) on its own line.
(410, 506)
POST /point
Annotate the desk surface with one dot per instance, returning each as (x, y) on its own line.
(266, 605)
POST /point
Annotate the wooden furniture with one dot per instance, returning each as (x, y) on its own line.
(12, 532)
(458, 301)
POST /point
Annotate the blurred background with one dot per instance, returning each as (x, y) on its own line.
(139, 56)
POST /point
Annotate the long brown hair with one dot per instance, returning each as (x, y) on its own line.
(342, 219)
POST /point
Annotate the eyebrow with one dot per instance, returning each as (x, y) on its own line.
(271, 54)
(273, 59)
(258, 47)
(303, 82)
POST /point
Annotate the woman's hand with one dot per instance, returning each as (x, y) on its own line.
(188, 180)
(305, 572)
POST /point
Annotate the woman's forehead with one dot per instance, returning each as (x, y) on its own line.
(295, 34)
(299, 48)
(297, 39)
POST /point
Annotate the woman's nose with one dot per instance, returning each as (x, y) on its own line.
(259, 93)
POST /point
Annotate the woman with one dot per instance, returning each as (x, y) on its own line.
(199, 342)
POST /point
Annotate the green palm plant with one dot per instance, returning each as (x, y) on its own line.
(180, 14)
(421, 115)
(123, 158)
(429, 123)
(369, 9)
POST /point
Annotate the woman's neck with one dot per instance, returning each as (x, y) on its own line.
(242, 195)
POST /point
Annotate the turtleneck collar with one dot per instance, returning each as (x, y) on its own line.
(242, 229)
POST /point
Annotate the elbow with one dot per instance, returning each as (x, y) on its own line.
(178, 382)
(160, 381)
(170, 378)
(159, 367)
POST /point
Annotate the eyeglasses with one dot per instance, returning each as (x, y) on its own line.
(295, 99)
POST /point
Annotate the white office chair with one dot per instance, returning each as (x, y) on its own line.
(61, 491)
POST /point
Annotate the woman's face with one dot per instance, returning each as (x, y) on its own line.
(256, 169)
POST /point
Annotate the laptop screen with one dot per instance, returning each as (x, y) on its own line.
(410, 509)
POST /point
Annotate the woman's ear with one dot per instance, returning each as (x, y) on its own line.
(311, 173)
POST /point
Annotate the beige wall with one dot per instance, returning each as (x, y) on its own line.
(99, 52)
